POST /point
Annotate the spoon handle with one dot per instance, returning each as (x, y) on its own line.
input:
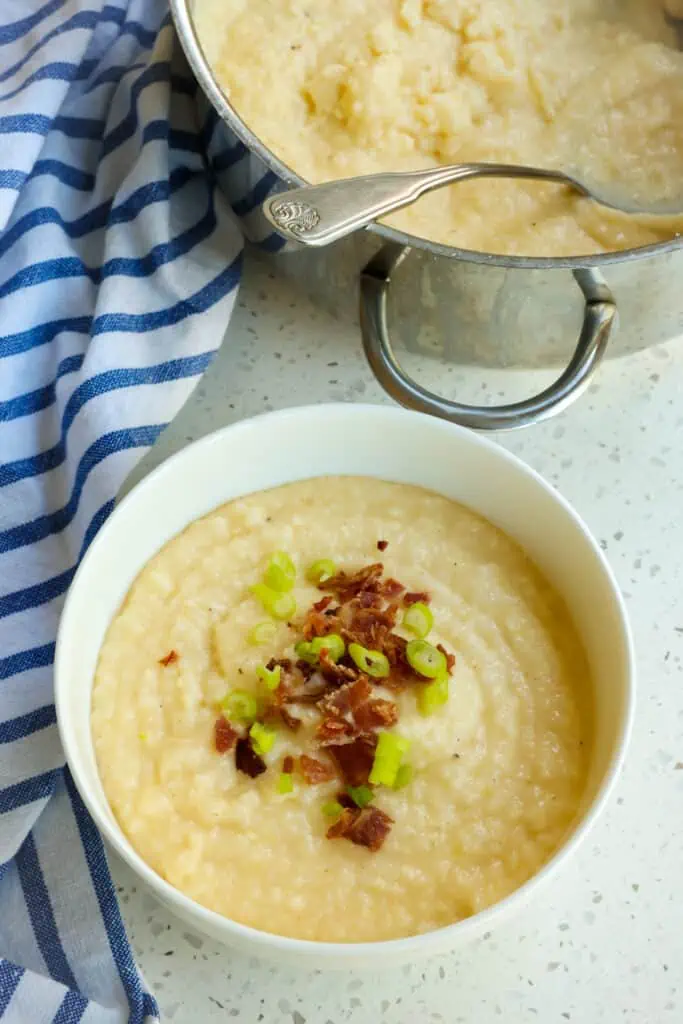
(320, 214)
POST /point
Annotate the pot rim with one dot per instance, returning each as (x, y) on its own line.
(180, 11)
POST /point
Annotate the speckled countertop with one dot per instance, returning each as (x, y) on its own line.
(604, 942)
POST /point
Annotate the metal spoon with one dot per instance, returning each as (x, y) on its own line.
(318, 215)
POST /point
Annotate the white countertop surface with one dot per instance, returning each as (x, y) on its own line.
(604, 942)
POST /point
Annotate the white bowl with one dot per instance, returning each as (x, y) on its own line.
(368, 440)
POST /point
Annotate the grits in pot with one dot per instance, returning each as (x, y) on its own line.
(343, 710)
(337, 88)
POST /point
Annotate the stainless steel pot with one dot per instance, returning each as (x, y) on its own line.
(464, 307)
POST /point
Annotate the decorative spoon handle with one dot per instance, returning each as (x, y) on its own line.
(320, 214)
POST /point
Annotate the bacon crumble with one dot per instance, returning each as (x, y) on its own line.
(368, 626)
(449, 656)
(247, 760)
(224, 736)
(305, 669)
(376, 714)
(402, 673)
(347, 585)
(368, 827)
(347, 699)
(350, 710)
(169, 658)
(392, 588)
(291, 721)
(334, 730)
(343, 823)
(317, 624)
(315, 771)
(354, 759)
(382, 545)
(334, 672)
(411, 597)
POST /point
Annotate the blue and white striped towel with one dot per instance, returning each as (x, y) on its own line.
(118, 270)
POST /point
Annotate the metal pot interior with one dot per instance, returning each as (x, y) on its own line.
(182, 15)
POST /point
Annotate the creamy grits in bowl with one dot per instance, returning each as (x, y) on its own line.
(344, 683)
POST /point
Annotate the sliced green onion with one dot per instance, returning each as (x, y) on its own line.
(332, 809)
(433, 696)
(304, 653)
(373, 663)
(280, 572)
(269, 676)
(285, 783)
(262, 633)
(361, 795)
(321, 571)
(419, 619)
(404, 775)
(426, 659)
(388, 756)
(279, 605)
(240, 706)
(332, 643)
(310, 652)
(262, 738)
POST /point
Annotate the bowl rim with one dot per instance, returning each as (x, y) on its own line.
(241, 934)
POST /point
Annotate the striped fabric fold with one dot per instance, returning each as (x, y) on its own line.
(119, 263)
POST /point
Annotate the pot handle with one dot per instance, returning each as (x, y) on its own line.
(599, 319)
